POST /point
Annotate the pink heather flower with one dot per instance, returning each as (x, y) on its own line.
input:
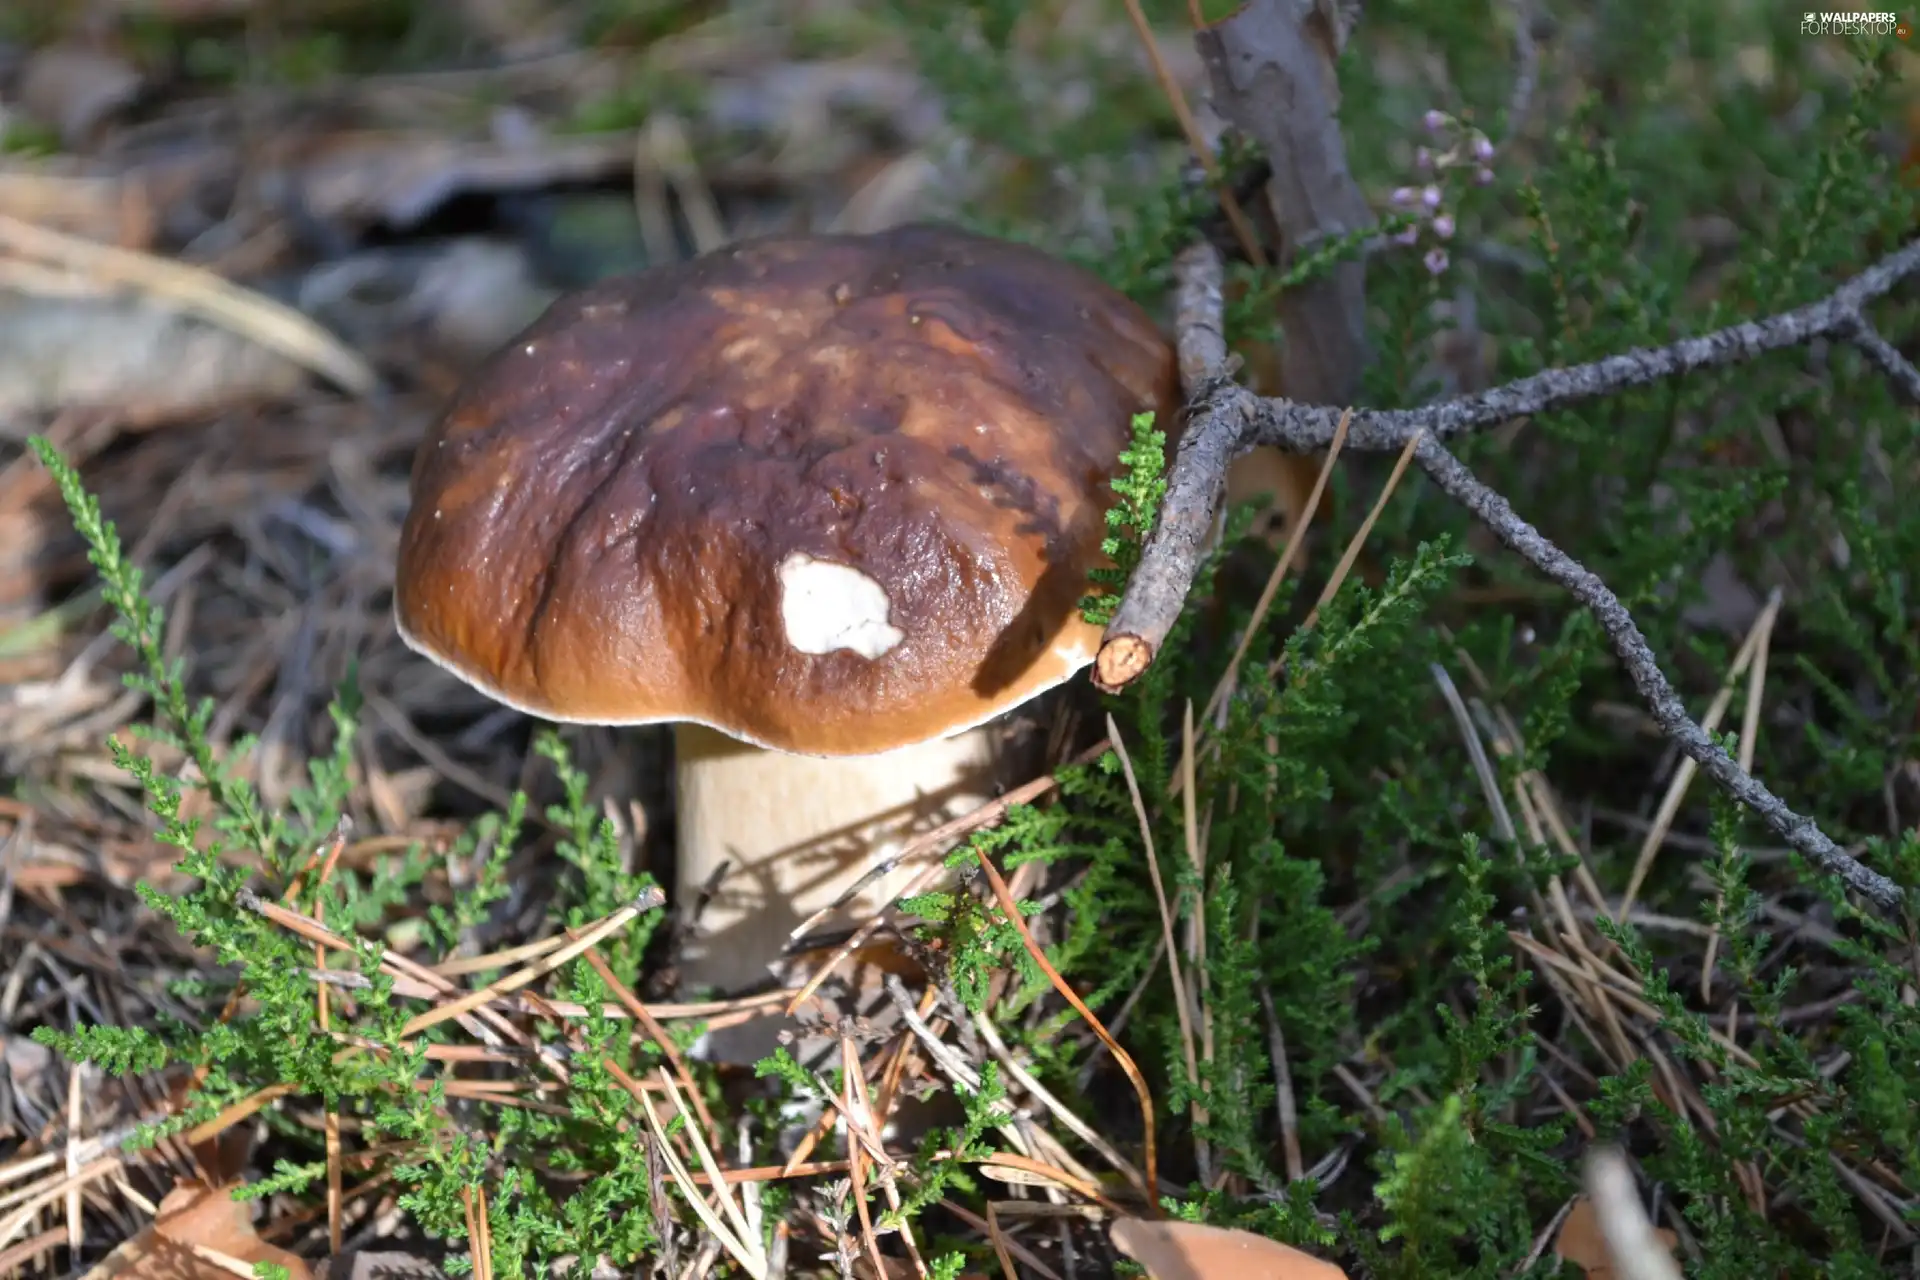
(1436, 261)
(1430, 197)
(1484, 176)
(1408, 235)
(1435, 121)
(1423, 159)
(1443, 226)
(1405, 197)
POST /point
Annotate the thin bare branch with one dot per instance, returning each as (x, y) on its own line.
(1644, 669)
(1886, 357)
(1213, 437)
(1302, 428)
(1225, 419)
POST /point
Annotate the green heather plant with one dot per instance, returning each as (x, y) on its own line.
(1347, 903)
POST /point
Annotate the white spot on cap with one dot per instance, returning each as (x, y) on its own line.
(827, 606)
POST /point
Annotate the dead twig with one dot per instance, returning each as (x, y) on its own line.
(1882, 354)
(1216, 427)
(1226, 419)
(1643, 668)
(1270, 65)
(1170, 89)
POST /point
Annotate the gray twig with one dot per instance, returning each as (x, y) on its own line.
(1225, 419)
(1270, 74)
(1882, 353)
(1304, 428)
(1637, 657)
(1215, 434)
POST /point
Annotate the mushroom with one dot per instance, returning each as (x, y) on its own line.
(824, 503)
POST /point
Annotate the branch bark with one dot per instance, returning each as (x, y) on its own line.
(1840, 315)
(1883, 355)
(1210, 442)
(1460, 484)
(1225, 420)
(1271, 69)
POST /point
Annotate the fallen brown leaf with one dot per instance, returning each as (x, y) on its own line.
(200, 1233)
(1190, 1251)
(1582, 1243)
(222, 1157)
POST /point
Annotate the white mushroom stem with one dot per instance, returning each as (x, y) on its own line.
(799, 831)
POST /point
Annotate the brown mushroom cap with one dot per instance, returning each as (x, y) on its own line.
(827, 494)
